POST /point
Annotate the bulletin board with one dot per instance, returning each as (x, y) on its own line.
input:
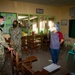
(8, 20)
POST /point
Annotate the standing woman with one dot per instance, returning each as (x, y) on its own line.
(15, 37)
(56, 39)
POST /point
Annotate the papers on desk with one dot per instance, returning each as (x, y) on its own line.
(52, 67)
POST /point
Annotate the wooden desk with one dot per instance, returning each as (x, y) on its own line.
(28, 71)
(33, 41)
(43, 72)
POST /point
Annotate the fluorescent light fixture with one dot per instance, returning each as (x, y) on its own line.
(34, 17)
(21, 17)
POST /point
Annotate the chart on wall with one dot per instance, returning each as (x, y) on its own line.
(8, 20)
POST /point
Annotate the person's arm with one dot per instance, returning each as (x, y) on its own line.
(61, 38)
(61, 41)
(3, 42)
(19, 33)
(6, 45)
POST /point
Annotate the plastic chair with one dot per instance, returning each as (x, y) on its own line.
(66, 40)
(71, 52)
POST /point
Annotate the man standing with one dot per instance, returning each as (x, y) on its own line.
(15, 38)
(2, 44)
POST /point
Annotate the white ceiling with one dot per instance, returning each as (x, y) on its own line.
(50, 2)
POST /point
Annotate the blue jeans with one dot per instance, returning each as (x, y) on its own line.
(55, 55)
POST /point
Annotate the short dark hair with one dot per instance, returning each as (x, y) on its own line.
(15, 21)
(1, 17)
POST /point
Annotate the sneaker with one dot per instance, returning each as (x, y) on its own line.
(50, 60)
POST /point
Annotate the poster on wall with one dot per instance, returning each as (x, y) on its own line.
(8, 20)
(64, 22)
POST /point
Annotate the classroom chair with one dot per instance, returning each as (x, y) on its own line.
(72, 52)
(16, 63)
(67, 40)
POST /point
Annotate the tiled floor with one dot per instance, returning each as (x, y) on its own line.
(43, 60)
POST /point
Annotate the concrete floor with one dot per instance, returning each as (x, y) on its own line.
(44, 56)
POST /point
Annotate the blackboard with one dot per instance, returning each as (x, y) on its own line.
(72, 28)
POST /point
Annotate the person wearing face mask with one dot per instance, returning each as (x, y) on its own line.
(56, 39)
(2, 44)
(15, 37)
(1, 25)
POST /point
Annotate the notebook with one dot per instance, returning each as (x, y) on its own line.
(52, 67)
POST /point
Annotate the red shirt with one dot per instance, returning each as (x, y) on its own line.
(60, 35)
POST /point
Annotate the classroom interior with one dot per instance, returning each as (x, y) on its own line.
(35, 19)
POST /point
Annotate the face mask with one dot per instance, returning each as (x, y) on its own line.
(14, 25)
(53, 29)
(2, 23)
